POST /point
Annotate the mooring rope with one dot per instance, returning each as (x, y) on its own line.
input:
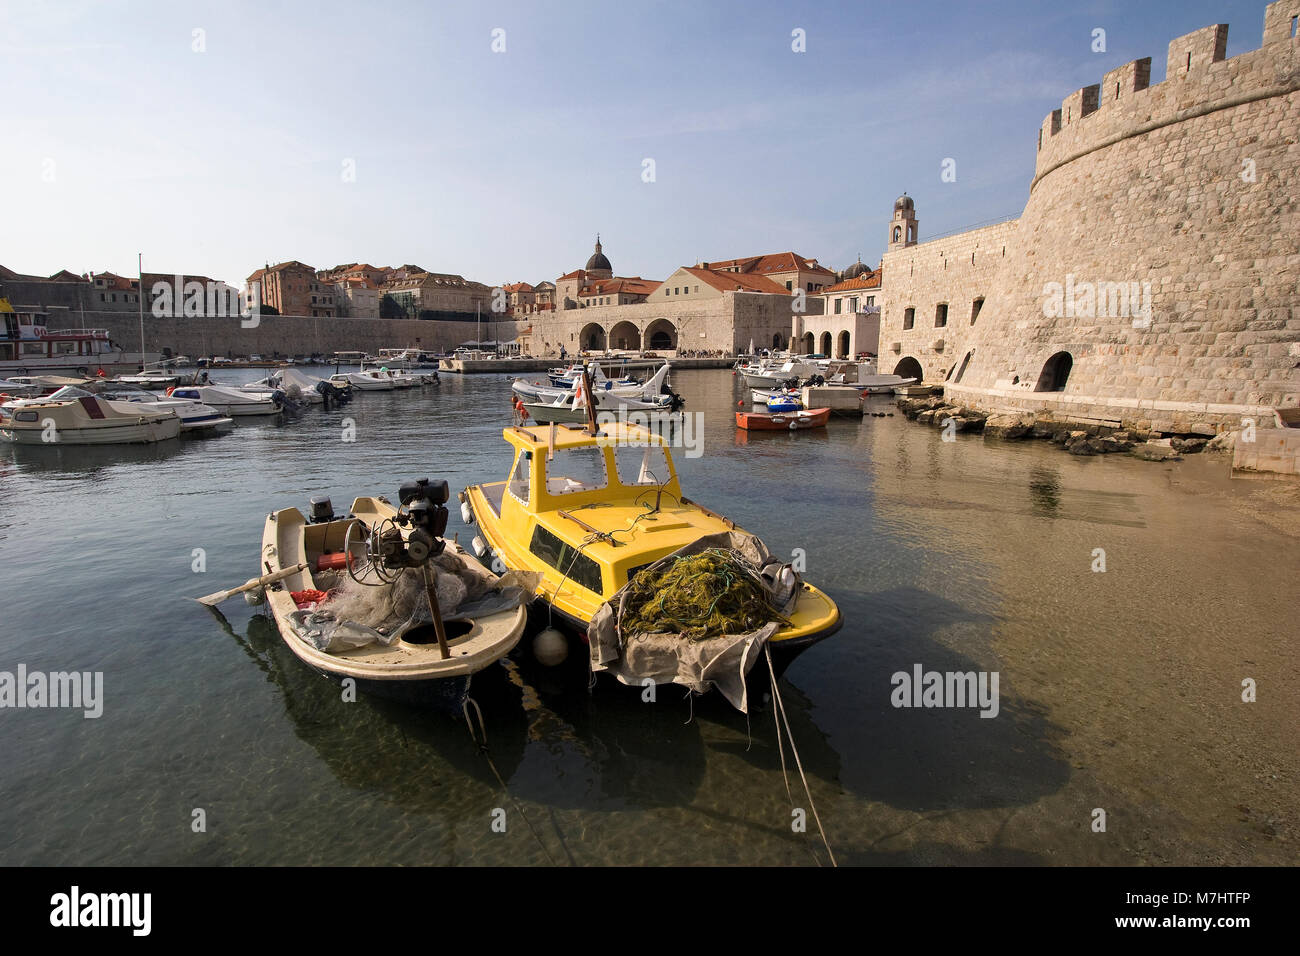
(483, 749)
(780, 708)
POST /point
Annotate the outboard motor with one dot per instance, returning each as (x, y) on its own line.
(425, 515)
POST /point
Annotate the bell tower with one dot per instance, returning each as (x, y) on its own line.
(902, 228)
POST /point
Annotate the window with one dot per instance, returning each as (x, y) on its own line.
(575, 470)
(809, 289)
(871, 300)
(853, 303)
(909, 318)
(789, 286)
(518, 483)
(566, 559)
(641, 464)
(941, 315)
(975, 309)
(837, 306)
(32, 348)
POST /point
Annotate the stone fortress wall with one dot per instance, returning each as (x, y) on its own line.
(1189, 185)
(281, 335)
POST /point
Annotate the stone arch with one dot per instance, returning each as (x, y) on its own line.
(624, 336)
(898, 233)
(778, 342)
(1056, 372)
(809, 343)
(660, 335)
(825, 344)
(910, 368)
(844, 345)
(592, 337)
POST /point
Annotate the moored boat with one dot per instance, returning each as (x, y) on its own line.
(783, 421)
(588, 509)
(88, 420)
(429, 656)
(231, 399)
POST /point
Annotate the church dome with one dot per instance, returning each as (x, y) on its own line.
(904, 204)
(857, 269)
(598, 260)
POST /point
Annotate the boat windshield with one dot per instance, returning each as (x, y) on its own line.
(67, 393)
(645, 465)
(577, 469)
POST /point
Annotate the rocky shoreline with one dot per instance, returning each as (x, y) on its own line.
(1075, 437)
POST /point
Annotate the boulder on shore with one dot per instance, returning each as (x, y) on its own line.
(1008, 427)
(1151, 451)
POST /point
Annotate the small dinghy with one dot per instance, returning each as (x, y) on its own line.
(379, 596)
(787, 401)
(783, 421)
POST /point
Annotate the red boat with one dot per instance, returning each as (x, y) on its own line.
(783, 421)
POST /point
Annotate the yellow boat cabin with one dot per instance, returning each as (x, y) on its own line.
(588, 511)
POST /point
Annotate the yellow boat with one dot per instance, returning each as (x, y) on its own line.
(588, 510)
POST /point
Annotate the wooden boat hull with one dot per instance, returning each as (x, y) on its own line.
(408, 669)
(783, 421)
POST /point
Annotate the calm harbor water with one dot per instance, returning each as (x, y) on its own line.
(1118, 690)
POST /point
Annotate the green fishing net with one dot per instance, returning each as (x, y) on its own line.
(703, 595)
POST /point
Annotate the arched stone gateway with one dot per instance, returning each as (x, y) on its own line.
(661, 335)
(777, 341)
(808, 343)
(1056, 372)
(910, 368)
(826, 344)
(843, 351)
(624, 336)
(592, 337)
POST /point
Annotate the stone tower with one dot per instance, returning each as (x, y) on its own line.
(902, 228)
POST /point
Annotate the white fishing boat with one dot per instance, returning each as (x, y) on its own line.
(365, 596)
(571, 407)
(88, 420)
(297, 386)
(773, 374)
(648, 391)
(195, 416)
(232, 400)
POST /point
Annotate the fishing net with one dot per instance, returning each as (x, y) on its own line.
(704, 595)
(699, 617)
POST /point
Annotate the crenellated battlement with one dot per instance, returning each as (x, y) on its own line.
(1198, 79)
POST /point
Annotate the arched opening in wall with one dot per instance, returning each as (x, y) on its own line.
(660, 334)
(826, 344)
(961, 369)
(777, 341)
(808, 343)
(898, 233)
(624, 336)
(843, 350)
(592, 337)
(1056, 372)
(975, 309)
(909, 368)
(909, 318)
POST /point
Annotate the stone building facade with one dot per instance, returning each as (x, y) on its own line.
(1154, 273)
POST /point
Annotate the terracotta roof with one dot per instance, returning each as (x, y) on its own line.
(736, 281)
(517, 287)
(870, 280)
(632, 285)
(765, 265)
(575, 274)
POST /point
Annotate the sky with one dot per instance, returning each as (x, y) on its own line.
(216, 137)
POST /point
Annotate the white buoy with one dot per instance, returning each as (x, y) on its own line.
(550, 647)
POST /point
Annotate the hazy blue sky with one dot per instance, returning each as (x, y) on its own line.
(119, 138)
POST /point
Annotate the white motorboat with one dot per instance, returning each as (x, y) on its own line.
(366, 381)
(646, 391)
(88, 420)
(773, 375)
(194, 416)
(232, 400)
(297, 386)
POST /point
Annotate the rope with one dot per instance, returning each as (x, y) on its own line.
(483, 749)
(780, 707)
